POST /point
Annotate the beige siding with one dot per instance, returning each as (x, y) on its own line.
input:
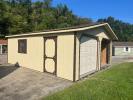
(65, 52)
(35, 50)
(34, 57)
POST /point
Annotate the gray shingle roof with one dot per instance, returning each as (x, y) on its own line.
(122, 43)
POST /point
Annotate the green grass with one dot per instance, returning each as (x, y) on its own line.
(115, 83)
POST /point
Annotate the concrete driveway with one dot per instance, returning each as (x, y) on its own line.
(26, 84)
(121, 59)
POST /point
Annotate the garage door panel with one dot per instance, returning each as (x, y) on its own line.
(88, 55)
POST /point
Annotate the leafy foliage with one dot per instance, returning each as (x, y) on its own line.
(20, 16)
(124, 31)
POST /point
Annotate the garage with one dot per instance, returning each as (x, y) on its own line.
(70, 53)
(88, 55)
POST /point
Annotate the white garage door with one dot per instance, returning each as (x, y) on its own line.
(88, 55)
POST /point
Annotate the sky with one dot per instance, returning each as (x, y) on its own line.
(95, 9)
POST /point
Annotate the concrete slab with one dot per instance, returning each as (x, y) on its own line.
(26, 84)
(121, 59)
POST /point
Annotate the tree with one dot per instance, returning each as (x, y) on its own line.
(20, 16)
(124, 31)
(47, 4)
(4, 19)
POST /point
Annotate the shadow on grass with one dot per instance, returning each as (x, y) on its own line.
(6, 70)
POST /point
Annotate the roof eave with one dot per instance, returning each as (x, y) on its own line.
(107, 26)
(70, 30)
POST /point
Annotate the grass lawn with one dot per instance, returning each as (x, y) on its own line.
(115, 83)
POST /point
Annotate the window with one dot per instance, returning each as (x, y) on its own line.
(22, 46)
(126, 48)
(4, 49)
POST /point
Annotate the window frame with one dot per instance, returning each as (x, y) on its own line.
(6, 49)
(20, 49)
(127, 49)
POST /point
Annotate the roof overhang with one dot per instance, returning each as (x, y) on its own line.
(106, 25)
(123, 44)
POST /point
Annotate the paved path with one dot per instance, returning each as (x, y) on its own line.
(121, 59)
(25, 84)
